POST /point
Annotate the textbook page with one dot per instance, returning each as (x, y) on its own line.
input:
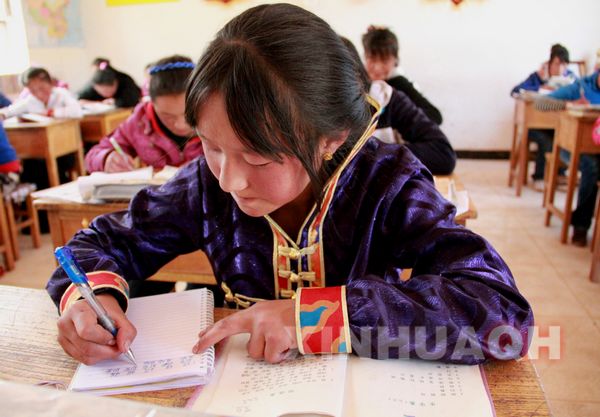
(248, 388)
(414, 388)
(167, 326)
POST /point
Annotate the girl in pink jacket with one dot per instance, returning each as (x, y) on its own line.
(156, 132)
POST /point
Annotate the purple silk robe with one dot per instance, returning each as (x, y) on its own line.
(383, 215)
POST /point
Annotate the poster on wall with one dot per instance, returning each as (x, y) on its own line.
(53, 23)
(128, 2)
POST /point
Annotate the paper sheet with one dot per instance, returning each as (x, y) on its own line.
(249, 388)
(414, 388)
(167, 325)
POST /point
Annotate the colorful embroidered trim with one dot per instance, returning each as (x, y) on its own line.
(97, 280)
(322, 320)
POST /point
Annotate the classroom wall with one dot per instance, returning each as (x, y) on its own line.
(465, 59)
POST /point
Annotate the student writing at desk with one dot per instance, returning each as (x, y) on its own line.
(156, 132)
(555, 68)
(402, 121)
(44, 98)
(585, 91)
(295, 198)
(111, 86)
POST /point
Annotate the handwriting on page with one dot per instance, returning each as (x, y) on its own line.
(414, 388)
(251, 388)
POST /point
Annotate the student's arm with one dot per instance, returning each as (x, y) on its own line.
(68, 107)
(532, 83)
(96, 157)
(4, 101)
(19, 107)
(129, 93)
(402, 84)
(568, 92)
(459, 284)
(424, 138)
(160, 224)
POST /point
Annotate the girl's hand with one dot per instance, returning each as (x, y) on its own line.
(115, 162)
(84, 339)
(271, 325)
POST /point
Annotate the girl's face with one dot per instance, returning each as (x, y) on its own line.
(380, 68)
(258, 185)
(556, 67)
(40, 89)
(171, 112)
(107, 91)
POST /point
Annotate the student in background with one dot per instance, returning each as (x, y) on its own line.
(288, 156)
(45, 99)
(156, 132)
(403, 122)
(381, 56)
(4, 101)
(111, 87)
(556, 66)
(589, 165)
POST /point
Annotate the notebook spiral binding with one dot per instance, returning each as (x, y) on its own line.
(549, 104)
(208, 321)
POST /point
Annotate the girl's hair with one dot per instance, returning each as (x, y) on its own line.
(288, 81)
(380, 42)
(361, 71)
(35, 73)
(99, 60)
(560, 52)
(104, 75)
(169, 76)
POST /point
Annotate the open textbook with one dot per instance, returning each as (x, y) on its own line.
(121, 185)
(341, 385)
(167, 329)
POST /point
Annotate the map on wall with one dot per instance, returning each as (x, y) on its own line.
(53, 23)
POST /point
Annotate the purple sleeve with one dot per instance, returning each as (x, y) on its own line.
(161, 223)
(459, 288)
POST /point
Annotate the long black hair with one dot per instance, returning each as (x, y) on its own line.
(288, 81)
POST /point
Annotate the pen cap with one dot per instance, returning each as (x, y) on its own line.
(69, 264)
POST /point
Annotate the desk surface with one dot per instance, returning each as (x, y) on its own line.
(29, 353)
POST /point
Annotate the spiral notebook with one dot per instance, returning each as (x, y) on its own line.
(167, 328)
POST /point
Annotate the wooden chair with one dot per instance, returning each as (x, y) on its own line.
(6, 247)
(579, 66)
(19, 218)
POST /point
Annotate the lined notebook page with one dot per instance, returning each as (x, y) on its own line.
(250, 388)
(167, 326)
(414, 388)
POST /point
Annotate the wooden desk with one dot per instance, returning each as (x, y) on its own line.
(29, 353)
(526, 117)
(574, 135)
(442, 183)
(96, 126)
(47, 141)
(66, 218)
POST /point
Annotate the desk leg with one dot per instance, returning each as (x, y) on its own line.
(550, 188)
(514, 152)
(522, 160)
(52, 168)
(79, 163)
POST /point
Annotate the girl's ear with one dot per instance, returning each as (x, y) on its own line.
(330, 145)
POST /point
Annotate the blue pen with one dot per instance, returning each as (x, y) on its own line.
(79, 278)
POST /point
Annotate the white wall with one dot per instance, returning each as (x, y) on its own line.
(465, 59)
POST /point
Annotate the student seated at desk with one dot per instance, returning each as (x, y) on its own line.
(589, 165)
(156, 132)
(287, 156)
(403, 122)
(112, 87)
(44, 99)
(555, 67)
(381, 56)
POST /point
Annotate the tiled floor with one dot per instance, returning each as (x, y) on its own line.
(554, 277)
